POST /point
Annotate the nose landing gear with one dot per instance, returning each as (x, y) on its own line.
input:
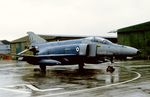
(110, 69)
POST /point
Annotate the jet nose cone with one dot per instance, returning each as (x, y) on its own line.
(132, 51)
(136, 51)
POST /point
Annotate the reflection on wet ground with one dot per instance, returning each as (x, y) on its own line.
(17, 78)
(143, 67)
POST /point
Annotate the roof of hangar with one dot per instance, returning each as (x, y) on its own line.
(136, 28)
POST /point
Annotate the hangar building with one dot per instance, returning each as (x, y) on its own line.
(137, 36)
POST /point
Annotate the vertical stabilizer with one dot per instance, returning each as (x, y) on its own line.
(35, 39)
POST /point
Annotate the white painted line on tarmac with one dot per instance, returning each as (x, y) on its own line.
(5, 65)
(30, 87)
(139, 66)
(92, 89)
(16, 68)
(14, 90)
(11, 86)
(40, 90)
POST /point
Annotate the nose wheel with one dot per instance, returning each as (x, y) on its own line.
(110, 69)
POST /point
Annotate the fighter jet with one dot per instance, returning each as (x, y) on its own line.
(90, 50)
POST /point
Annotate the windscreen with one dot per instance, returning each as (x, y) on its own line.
(99, 40)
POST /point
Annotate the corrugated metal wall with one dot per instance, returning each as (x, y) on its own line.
(140, 40)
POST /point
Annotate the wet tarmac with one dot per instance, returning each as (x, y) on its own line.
(130, 79)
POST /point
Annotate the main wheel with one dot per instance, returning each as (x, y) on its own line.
(81, 65)
(43, 68)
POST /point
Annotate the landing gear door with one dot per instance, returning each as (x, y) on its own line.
(92, 49)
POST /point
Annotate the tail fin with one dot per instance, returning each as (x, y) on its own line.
(35, 39)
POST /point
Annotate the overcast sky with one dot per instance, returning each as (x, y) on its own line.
(69, 17)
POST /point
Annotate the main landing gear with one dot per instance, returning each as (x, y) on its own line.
(42, 69)
(110, 69)
(81, 66)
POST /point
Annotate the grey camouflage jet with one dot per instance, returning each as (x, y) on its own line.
(90, 50)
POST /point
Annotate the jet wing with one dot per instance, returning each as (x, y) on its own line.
(51, 59)
(51, 55)
(47, 56)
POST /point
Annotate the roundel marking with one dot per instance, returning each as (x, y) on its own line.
(77, 49)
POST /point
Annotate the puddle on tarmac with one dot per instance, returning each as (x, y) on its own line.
(63, 77)
(69, 79)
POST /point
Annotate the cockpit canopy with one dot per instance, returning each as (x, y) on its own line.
(99, 40)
